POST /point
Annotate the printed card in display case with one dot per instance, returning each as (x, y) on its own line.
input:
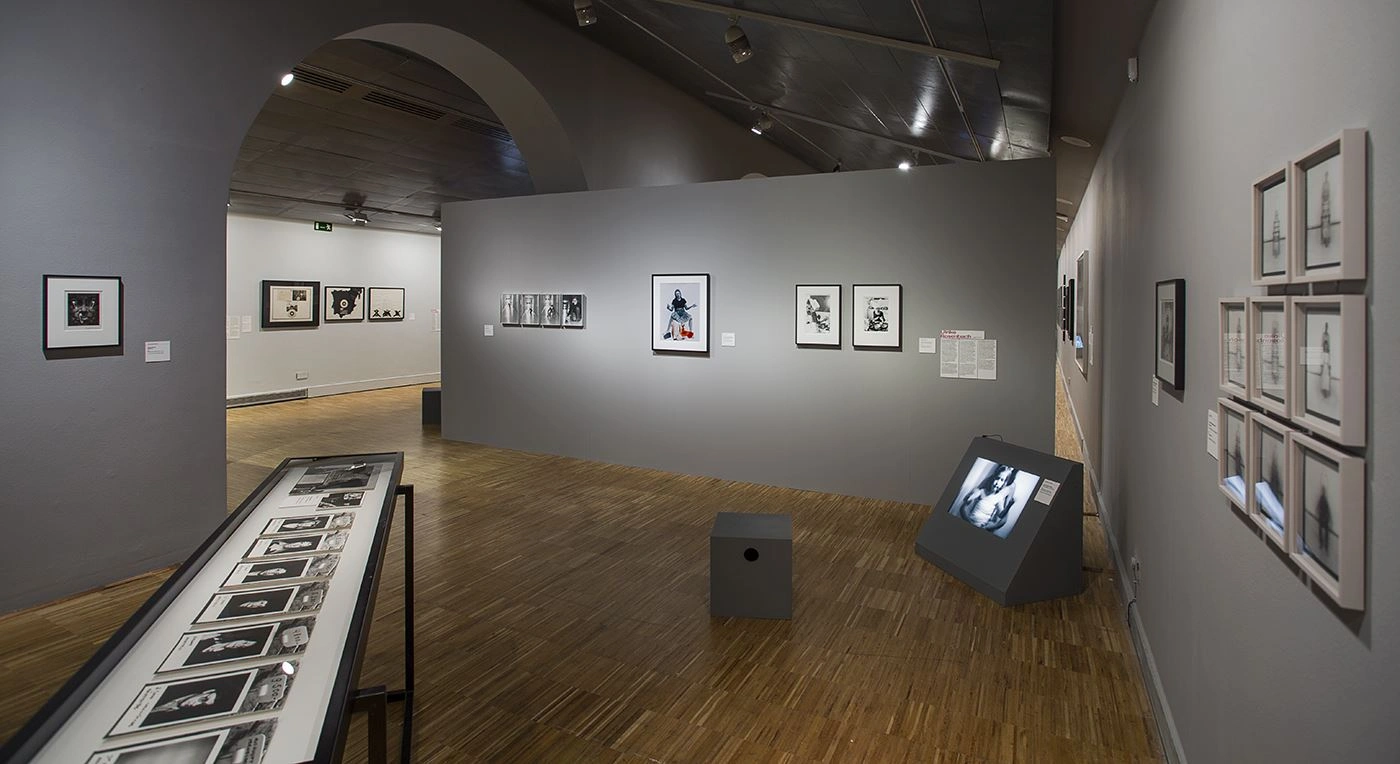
(1330, 197)
(680, 313)
(185, 701)
(199, 649)
(297, 544)
(291, 304)
(277, 571)
(1329, 366)
(1327, 504)
(259, 603)
(82, 312)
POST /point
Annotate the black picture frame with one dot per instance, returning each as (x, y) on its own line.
(831, 338)
(277, 308)
(1169, 335)
(696, 337)
(100, 329)
(355, 313)
(394, 311)
(1067, 311)
(862, 338)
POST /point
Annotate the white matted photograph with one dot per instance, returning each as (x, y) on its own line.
(386, 303)
(680, 312)
(573, 307)
(284, 545)
(510, 309)
(291, 304)
(82, 312)
(1330, 195)
(1170, 333)
(1271, 229)
(207, 697)
(1268, 498)
(818, 315)
(1328, 490)
(529, 309)
(877, 316)
(1269, 379)
(1329, 369)
(345, 303)
(1081, 312)
(551, 313)
(1234, 346)
(993, 496)
(1232, 452)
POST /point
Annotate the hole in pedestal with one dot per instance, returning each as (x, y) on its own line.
(750, 554)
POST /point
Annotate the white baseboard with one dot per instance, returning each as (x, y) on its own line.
(1147, 664)
(372, 384)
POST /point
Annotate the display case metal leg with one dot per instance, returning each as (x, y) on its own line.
(405, 695)
(375, 701)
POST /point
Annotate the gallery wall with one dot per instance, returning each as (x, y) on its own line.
(337, 356)
(972, 246)
(119, 127)
(1255, 664)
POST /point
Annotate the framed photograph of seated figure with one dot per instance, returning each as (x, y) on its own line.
(1327, 504)
(1329, 366)
(1268, 477)
(1269, 381)
(1329, 198)
(1232, 452)
(1234, 347)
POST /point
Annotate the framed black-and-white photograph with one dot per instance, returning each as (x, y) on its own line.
(243, 743)
(82, 312)
(1234, 346)
(573, 307)
(510, 309)
(680, 312)
(1067, 310)
(1081, 313)
(1269, 381)
(345, 303)
(1232, 451)
(1268, 473)
(1328, 492)
(877, 316)
(1272, 234)
(386, 303)
(207, 697)
(1329, 366)
(291, 304)
(551, 310)
(529, 309)
(818, 315)
(1330, 196)
(1170, 335)
(198, 649)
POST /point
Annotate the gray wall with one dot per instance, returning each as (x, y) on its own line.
(119, 126)
(972, 246)
(1256, 666)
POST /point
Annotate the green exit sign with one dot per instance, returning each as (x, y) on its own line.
(321, 226)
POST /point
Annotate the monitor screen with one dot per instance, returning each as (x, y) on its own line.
(993, 495)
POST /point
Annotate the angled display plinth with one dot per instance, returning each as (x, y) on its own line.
(1010, 524)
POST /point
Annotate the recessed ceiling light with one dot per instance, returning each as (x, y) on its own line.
(739, 48)
(287, 79)
(906, 164)
(583, 10)
(1073, 141)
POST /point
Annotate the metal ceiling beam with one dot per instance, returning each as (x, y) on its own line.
(835, 126)
(952, 86)
(849, 34)
(342, 206)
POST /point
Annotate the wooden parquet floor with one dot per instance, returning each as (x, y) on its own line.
(562, 615)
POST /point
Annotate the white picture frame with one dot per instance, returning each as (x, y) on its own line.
(1232, 452)
(1272, 237)
(82, 312)
(1234, 346)
(1330, 543)
(1329, 366)
(1269, 378)
(877, 316)
(680, 313)
(817, 315)
(1268, 478)
(1329, 199)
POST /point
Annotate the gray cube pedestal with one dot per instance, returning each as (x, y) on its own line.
(751, 566)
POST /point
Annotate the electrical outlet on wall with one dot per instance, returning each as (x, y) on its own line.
(303, 375)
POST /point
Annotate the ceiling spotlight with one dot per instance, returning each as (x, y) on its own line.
(357, 217)
(905, 165)
(437, 224)
(763, 125)
(287, 79)
(737, 41)
(1073, 141)
(583, 9)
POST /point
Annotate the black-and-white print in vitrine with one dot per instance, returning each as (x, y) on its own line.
(1329, 370)
(1330, 196)
(1268, 499)
(550, 312)
(1234, 346)
(259, 603)
(291, 304)
(877, 316)
(1269, 379)
(818, 315)
(243, 743)
(574, 307)
(1327, 488)
(1232, 452)
(529, 309)
(345, 303)
(210, 648)
(82, 312)
(386, 303)
(163, 704)
(1170, 335)
(1272, 232)
(510, 309)
(680, 312)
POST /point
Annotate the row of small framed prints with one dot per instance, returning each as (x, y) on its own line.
(297, 304)
(548, 309)
(1307, 496)
(1306, 363)
(1310, 216)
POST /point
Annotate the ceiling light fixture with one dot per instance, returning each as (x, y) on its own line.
(1073, 141)
(358, 217)
(1063, 200)
(1062, 218)
(583, 9)
(737, 41)
(287, 79)
(763, 125)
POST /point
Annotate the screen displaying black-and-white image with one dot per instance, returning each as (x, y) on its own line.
(1323, 363)
(993, 496)
(1270, 477)
(84, 309)
(345, 303)
(529, 310)
(1271, 346)
(240, 744)
(573, 309)
(257, 603)
(1273, 230)
(274, 571)
(1233, 445)
(346, 500)
(550, 312)
(1322, 215)
(510, 309)
(1236, 359)
(267, 640)
(335, 478)
(1321, 491)
(288, 545)
(207, 697)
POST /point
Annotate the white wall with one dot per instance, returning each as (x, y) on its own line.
(1254, 663)
(340, 357)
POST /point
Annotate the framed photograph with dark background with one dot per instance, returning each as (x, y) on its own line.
(1329, 192)
(1329, 366)
(573, 305)
(1232, 451)
(291, 304)
(1170, 336)
(82, 312)
(1268, 473)
(345, 303)
(1327, 492)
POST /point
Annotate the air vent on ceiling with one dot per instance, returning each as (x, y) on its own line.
(311, 77)
(409, 107)
(483, 128)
